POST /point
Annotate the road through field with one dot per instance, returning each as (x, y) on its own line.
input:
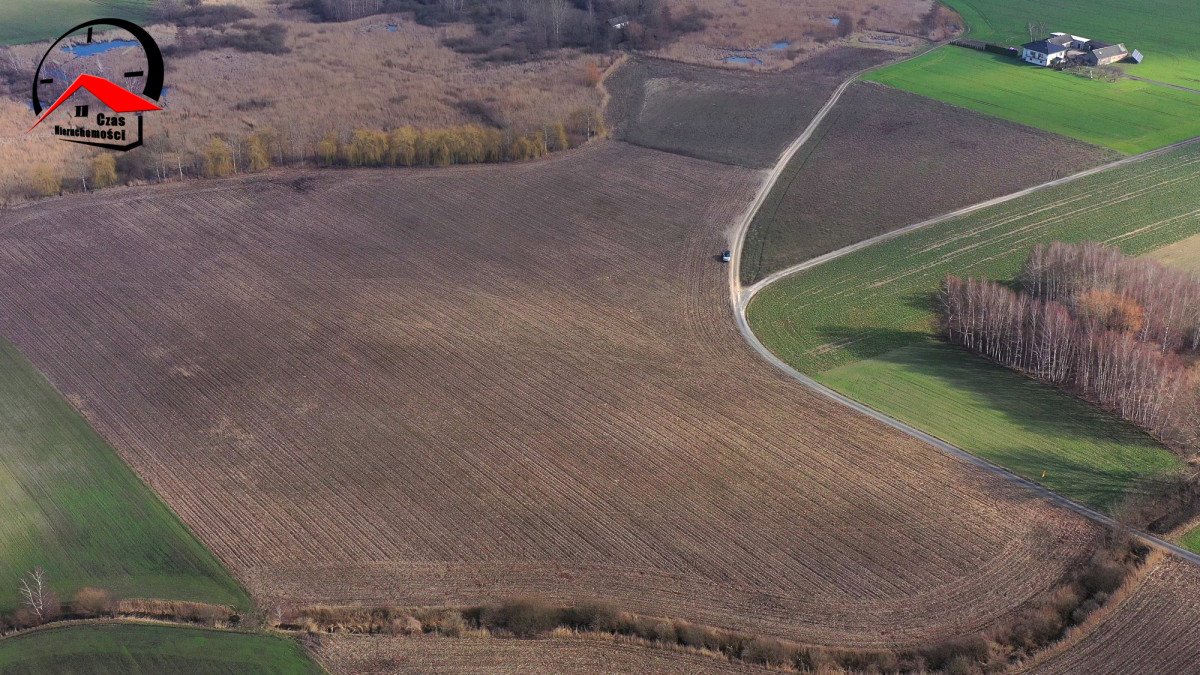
(740, 298)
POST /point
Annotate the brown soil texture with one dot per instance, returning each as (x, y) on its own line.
(448, 387)
(1155, 630)
(730, 117)
(884, 159)
(377, 654)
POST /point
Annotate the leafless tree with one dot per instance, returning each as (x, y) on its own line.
(37, 596)
(557, 12)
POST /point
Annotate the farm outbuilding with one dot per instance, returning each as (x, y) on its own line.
(1102, 56)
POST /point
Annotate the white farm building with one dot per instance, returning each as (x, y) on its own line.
(1062, 48)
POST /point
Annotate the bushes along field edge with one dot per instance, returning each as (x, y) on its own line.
(224, 156)
(97, 603)
(1032, 628)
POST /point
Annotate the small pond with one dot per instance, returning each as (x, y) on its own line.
(744, 60)
(93, 48)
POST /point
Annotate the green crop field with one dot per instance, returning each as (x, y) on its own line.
(95, 649)
(24, 21)
(1163, 30)
(73, 507)
(1018, 423)
(1127, 116)
(843, 321)
(1191, 540)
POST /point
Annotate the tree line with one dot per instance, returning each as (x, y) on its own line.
(225, 155)
(1112, 329)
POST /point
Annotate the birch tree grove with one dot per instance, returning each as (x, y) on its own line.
(1112, 329)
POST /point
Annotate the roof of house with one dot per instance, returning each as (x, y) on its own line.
(1107, 52)
(1044, 47)
(118, 99)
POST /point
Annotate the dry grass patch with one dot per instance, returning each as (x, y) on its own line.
(807, 27)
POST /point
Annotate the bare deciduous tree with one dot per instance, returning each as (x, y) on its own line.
(37, 596)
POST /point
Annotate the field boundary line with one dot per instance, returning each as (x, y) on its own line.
(740, 301)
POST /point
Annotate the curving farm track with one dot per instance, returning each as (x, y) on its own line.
(441, 387)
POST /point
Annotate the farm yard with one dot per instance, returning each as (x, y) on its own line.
(949, 156)
(867, 313)
(307, 347)
(566, 655)
(1154, 630)
(1127, 116)
(96, 649)
(729, 117)
(74, 508)
(1163, 29)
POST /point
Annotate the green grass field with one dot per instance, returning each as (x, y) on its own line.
(1127, 116)
(24, 21)
(72, 506)
(1013, 421)
(1191, 540)
(844, 321)
(96, 649)
(1164, 30)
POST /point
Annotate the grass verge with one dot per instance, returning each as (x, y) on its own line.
(844, 321)
(146, 648)
(1127, 116)
(73, 507)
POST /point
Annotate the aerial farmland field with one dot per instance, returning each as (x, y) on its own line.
(1153, 631)
(609, 455)
(97, 649)
(726, 116)
(1127, 116)
(868, 314)
(949, 156)
(1163, 30)
(75, 509)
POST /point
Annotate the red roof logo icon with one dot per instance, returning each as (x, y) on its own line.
(119, 99)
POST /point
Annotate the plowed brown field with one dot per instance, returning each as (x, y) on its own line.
(456, 386)
(376, 654)
(1155, 630)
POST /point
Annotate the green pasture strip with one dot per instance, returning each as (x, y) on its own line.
(120, 648)
(73, 507)
(1127, 116)
(1028, 427)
